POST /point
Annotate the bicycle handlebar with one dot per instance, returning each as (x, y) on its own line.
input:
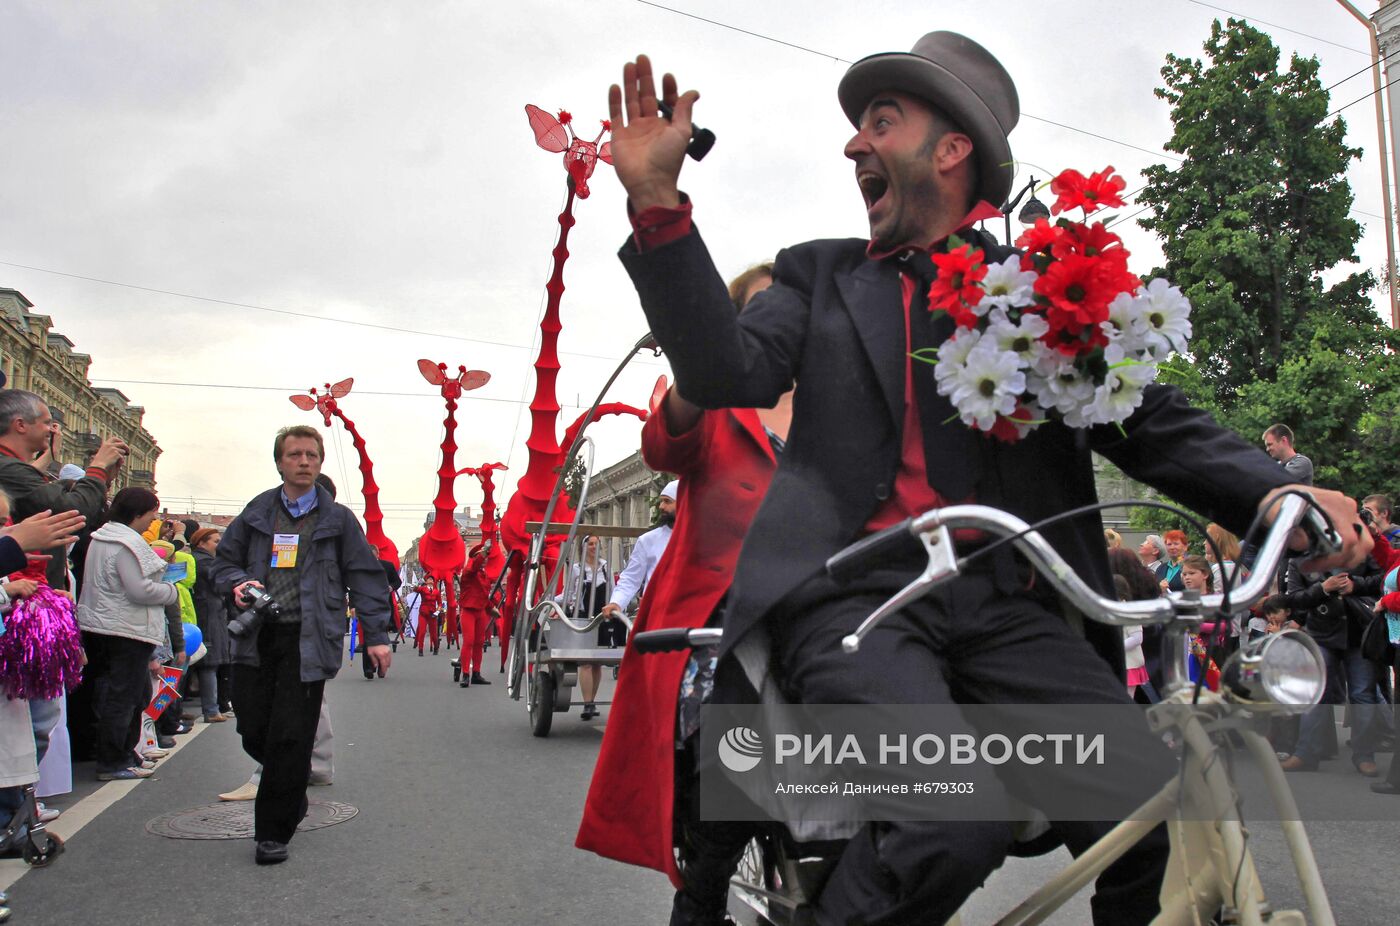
(853, 560)
(934, 530)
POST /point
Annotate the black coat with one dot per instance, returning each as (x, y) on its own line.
(1334, 621)
(211, 610)
(834, 322)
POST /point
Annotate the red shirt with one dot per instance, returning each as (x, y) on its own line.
(911, 493)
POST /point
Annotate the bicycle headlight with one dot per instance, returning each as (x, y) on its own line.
(1284, 669)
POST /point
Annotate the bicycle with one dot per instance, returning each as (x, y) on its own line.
(1211, 875)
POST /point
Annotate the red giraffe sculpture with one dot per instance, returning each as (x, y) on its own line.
(327, 404)
(533, 491)
(441, 550)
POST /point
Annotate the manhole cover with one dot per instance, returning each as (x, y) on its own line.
(234, 820)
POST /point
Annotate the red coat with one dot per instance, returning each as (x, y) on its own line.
(725, 464)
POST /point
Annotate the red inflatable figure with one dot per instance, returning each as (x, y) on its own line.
(441, 550)
(327, 403)
(545, 455)
(580, 157)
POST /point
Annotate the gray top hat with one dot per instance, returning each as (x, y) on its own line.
(958, 76)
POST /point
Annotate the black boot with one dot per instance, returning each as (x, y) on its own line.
(687, 911)
(477, 679)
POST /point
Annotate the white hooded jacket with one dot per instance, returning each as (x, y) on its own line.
(123, 592)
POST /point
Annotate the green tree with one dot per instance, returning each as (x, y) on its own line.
(1257, 213)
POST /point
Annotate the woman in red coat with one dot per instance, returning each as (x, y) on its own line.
(725, 460)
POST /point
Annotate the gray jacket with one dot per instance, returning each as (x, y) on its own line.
(340, 560)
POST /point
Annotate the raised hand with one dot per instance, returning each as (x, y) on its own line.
(45, 531)
(647, 149)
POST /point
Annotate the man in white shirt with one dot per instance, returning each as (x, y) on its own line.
(645, 555)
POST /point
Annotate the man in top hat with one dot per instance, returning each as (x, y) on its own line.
(872, 442)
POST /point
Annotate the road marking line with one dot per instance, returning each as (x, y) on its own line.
(87, 810)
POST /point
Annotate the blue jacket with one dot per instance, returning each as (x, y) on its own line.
(340, 560)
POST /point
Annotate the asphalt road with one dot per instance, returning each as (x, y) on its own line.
(465, 818)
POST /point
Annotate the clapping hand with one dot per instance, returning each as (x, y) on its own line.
(45, 530)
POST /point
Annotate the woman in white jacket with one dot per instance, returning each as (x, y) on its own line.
(122, 615)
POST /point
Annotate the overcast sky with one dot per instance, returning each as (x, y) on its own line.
(372, 162)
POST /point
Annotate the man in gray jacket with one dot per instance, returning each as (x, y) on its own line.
(305, 551)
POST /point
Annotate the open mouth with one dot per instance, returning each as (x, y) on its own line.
(873, 187)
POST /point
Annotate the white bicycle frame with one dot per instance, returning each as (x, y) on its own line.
(1210, 866)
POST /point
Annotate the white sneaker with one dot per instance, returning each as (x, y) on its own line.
(147, 764)
(47, 814)
(155, 752)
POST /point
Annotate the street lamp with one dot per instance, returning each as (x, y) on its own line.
(1031, 212)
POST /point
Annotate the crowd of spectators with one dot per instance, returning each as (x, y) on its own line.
(1352, 615)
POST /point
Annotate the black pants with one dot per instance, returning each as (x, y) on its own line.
(965, 643)
(120, 676)
(277, 714)
(225, 680)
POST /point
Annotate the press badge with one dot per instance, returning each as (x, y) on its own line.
(284, 551)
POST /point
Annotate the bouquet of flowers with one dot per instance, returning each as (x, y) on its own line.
(1063, 330)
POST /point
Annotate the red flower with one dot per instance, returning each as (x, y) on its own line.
(1092, 241)
(1075, 191)
(565, 117)
(1039, 238)
(1079, 290)
(1005, 427)
(955, 289)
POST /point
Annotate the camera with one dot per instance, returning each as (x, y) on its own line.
(1368, 517)
(260, 605)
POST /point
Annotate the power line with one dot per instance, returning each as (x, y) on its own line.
(414, 395)
(1361, 100)
(1385, 60)
(777, 41)
(1318, 38)
(294, 314)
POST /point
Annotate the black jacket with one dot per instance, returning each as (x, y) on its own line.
(211, 610)
(1334, 621)
(834, 322)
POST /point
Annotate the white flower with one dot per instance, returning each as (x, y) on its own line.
(1165, 314)
(1020, 338)
(1006, 286)
(1060, 386)
(989, 384)
(1125, 328)
(1121, 392)
(952, 355)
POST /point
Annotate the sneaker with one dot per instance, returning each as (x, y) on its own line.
(244, 792)
(147, 763)
(184, 727)
(125, 774)
(154, 752)
(320, 781)
(47, 814)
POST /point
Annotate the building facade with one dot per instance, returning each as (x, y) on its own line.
(35, 357)
(622, 495)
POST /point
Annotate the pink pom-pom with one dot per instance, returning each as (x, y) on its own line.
(41, 650)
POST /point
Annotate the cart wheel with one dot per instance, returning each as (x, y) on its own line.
(42, 848)
(541, 702)
(456, 673)
(394, 647)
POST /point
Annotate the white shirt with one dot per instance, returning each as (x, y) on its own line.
(645, 555)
